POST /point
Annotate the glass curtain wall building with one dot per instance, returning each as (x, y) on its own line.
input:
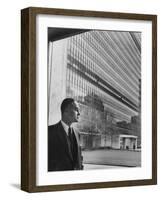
(102, 71)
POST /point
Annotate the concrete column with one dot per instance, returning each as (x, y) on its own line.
(136, 143)
(57, 79)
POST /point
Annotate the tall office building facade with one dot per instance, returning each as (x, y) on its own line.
(102, 71)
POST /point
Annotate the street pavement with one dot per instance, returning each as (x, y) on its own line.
(105, 158)
(91, 166)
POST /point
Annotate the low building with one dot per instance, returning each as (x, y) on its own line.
(116, 141)
(125, 142)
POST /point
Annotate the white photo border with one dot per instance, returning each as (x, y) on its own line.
(43, 177)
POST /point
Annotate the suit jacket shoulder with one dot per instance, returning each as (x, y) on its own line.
(53, 130)
(54, 126)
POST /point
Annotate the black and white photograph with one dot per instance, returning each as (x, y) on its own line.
(94, 99)
(89, 99)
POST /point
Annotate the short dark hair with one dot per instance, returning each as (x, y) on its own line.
(65, 103)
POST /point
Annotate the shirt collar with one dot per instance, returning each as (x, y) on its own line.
(65, 126)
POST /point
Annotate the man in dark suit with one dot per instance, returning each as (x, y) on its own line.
(64, 152)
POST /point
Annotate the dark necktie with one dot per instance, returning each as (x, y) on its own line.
(70, 136)
(72, 145)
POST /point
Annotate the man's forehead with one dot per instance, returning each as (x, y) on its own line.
(75, 104)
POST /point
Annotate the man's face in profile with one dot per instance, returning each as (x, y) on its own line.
(73, 112)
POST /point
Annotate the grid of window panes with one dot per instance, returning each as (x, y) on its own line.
(91, 71)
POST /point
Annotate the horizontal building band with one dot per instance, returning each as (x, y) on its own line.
(98, 82)
(106, 74)
(81, 54)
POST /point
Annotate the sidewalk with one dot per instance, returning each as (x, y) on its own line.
(104, 158)
(91, 166)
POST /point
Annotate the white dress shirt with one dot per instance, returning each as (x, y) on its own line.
(65, 126)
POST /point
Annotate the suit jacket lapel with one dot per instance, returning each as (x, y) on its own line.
(76, 136)
(63, 138)
(78, 148)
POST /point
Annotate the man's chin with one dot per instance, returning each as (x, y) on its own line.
(75, 121)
